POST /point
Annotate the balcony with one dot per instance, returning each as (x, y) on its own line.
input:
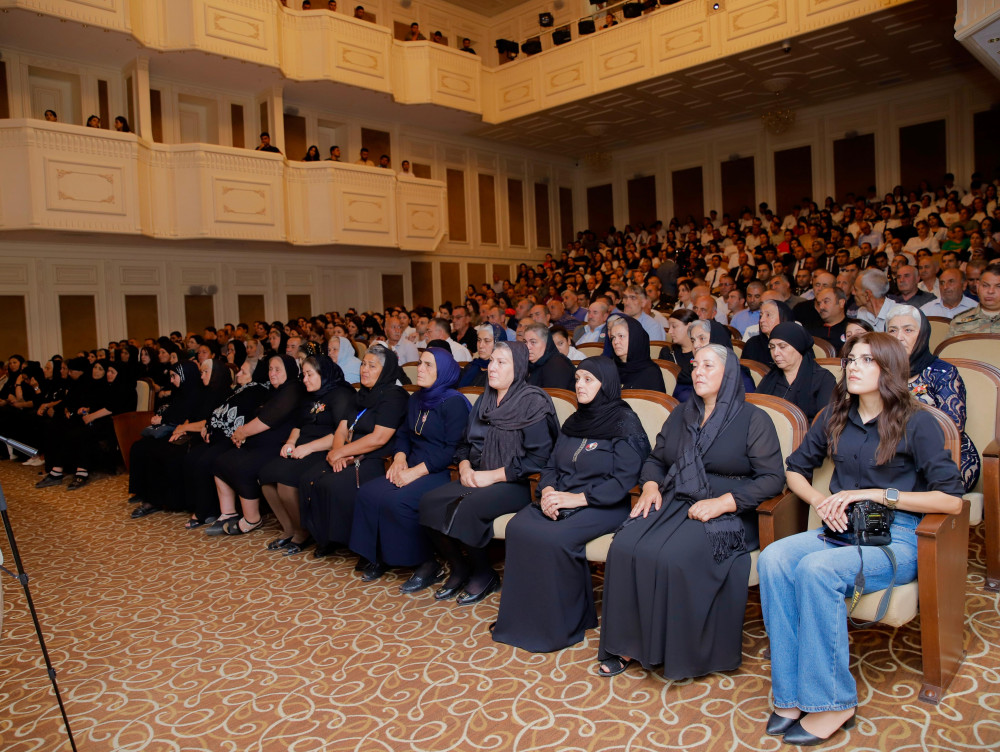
(65, 177)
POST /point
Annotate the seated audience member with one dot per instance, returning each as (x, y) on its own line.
(772, 313)
(710, 332)
(676, 578)
(254, 443)
(547, 367)
(51, 116)
(681, 350)
(855, 328)
(564, 343)
(360, 444)
(548, 601)
(628, 348)
(327, 401)
(750, 316)
(934, 381)
(386, 531)
(984, 318)
(796, 375)
(909, 292)
(871, 289)
(597, 316)
(487, 335)
(952, 300)
(440, 328)
(93, 122)
(887, 449)
(342, 352)
(634, 303)
(467, 46)
(334, 154)
(508, 437)
(830, 303)
(156, 462)
(86, 438)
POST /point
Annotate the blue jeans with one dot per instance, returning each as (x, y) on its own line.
(803, 584)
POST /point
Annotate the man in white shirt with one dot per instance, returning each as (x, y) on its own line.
(927, 269)
(952, 300)
(441, 329)
(405, 350)
(870, 291)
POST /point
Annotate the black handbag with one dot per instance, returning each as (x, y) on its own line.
(868, 524)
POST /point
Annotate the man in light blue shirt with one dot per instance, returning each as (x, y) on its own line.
(952, 301)
(633, 302)
(750, 316)
(597, 316)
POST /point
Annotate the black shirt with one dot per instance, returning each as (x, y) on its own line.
(922, 463)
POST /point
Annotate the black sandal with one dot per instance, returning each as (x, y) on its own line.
(233, 526)
(193, 523)
(614, 665)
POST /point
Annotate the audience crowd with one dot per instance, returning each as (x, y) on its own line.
(316, 421)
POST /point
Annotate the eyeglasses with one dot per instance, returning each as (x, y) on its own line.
(863, 360)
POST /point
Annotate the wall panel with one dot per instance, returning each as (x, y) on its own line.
(922, 153)
(738, 188)
(543, 226)
(299, 305)
(792, 177)
(457, 227)
(392, 290)
(475, 274)
(515, 211)
(600, 208)
(451, 283)
(567, 232)
(986, 145)
(199, 312)
(689, 193)
(422, 283)
(642, 200)
(142, 317)
(78, 323)
(853, 165)
(251, 308)
(14, 332)
(487, 209)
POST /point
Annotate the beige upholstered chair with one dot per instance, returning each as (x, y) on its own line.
(939, 590)
(670, 371)
(591, 348)
(410, 369)
(984, 347)
(655, 346)
(939, 330)
(823, 349)
(757, 370)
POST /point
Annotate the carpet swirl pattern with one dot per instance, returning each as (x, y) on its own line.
(166, 640)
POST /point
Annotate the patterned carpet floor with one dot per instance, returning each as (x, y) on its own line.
(165, 639)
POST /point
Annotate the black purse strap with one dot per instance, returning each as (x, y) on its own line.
(859, 588)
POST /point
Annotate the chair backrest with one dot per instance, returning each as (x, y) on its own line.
(790, 422)
(411, 388)
(144, 395)
(591, 348)
(822, 476)
(655, 346)
(410, 369)
(360, 348)
(653, 409)
(472, 393)
(757, 370)
(823, 348)
(982, 390)
(939, 330)
(564, 401)
(735, 333)
(984, 347)
(670, 371)
(738, 346)
(832, 365)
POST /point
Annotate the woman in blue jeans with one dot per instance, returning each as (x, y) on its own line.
(885, 448)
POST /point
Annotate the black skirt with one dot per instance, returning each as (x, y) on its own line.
(467, 514)
(289, 472)
(326, 498)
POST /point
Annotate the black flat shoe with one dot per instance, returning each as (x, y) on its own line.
(777, 725)
(79, 481)
(134, 499)
(446, 593)
(145, 512)
(294, 548)
(467, 599)
(326, 549)
(216, 528)
(799, 736)
(373, 572)
(416, 583)
(50, 480)
(279, 543)
(362, 564)
(614, 665)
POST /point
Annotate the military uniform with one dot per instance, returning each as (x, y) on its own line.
(976, 321)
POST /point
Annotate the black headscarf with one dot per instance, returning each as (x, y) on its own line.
(921, 357)
(756, 347)
(330, 376)
(813, 384)
(607, 416)
(686, 478)
(369, 397)
(239, 353)
(522, 406)
(186, 396)
(638, 371)
(550, 350)
(219, 384)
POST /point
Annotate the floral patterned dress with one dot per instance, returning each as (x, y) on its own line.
(940, 385)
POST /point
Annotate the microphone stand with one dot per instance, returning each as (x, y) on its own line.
(22, 577)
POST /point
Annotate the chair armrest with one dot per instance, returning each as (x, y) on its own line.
(992, 449)
(781, 516)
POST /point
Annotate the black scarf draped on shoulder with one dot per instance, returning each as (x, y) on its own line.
(922, 357)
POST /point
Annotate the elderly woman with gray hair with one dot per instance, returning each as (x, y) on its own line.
(933, 381)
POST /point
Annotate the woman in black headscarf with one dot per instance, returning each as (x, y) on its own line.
(360, 445)
(328, 400)
(156, 464)
(934, 381)
(797, 377)
(386, 530)
(676, 578)
(509, 436)
(254, 444)
(627, 344)
(547, 601)
(239, 408)
(487, 335)
(681, 349)
(88, 437)
(772, 313)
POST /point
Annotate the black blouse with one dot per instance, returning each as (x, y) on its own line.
(388, 412)
(922, 463)
(603, 470)
(537, 442)
(240, 408)
(320, 417)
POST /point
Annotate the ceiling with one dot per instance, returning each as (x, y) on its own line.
(903, 45)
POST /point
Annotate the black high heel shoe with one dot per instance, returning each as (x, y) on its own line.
(465, 599)
(778, 725)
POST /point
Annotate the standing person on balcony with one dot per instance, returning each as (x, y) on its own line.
(884, 448)
(467, 46)
(415, 35)
(265, 144)
(359, 12)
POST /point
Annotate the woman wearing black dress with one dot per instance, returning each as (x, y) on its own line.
(797, 377)
(548, 601)
(239, 408)
(327, 492)
(509, 436)
(156, 463)
(328, 400)
(676, 578)
(254, 443)
(627, 344)
(386, 530)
